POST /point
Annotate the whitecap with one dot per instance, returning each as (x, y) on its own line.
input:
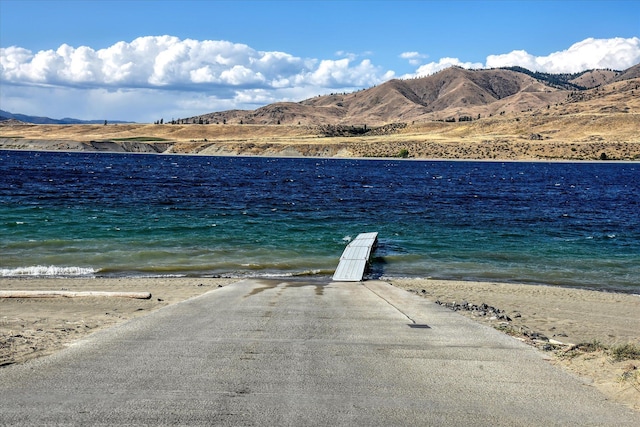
(44, 270)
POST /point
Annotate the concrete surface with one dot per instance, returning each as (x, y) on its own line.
(295, 353)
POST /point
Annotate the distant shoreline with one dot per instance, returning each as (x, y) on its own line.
(275, 156)
(556, 138)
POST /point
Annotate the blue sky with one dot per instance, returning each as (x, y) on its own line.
(143, 60)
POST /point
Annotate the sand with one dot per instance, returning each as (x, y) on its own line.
(34, 327)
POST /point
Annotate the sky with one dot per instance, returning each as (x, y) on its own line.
(146, 60)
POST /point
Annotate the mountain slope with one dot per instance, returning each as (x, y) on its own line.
(450, 94)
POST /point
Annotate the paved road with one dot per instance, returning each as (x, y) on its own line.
(301, 353)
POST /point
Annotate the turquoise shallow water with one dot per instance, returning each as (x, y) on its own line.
(571, 224)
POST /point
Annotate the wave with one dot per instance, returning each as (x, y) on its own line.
(314, 273)
(43, 270)
(173, 272)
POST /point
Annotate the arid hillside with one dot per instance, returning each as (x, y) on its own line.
(454, 114)
(451, 94)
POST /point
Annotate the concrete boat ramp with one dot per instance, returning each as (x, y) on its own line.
(301, 353)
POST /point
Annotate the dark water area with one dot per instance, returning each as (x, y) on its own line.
(100, 214)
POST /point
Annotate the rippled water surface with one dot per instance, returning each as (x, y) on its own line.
(121, 214)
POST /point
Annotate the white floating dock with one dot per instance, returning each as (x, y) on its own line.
(355, 258)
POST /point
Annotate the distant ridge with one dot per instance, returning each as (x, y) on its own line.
(449, 95)
(5, 115)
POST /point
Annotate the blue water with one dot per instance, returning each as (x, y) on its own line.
(99, 214)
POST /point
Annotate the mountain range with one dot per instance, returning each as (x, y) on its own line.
(5, 115)
(452, 94)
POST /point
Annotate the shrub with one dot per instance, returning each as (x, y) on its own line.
(404, 153)
(625, 352)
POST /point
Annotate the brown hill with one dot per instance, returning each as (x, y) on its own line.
(450, 94)
(595, 78)
(629, 73)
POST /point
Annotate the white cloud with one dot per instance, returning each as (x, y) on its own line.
(616, 53)
(171, 63)
(342, 74)
(414, 58)
(434, 67)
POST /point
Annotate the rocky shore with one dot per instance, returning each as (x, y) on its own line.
(487, 150)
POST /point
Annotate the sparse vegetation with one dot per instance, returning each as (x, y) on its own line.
(561, 81)
(141, 139)
(592, 346)
(625, 352)
(630, 375)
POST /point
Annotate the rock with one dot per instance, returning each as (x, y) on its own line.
(538, 336)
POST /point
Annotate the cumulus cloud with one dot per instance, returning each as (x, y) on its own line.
(616, 53)
(171, 63)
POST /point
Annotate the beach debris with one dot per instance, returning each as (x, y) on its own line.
(70, 294)
(477, 310)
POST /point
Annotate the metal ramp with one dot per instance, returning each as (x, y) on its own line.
(355, 258)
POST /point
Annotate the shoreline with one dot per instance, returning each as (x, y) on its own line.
(530, 136)
(303, 275)
(559, 318)
(337, 157)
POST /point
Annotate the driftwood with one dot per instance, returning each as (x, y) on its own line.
(71, 294)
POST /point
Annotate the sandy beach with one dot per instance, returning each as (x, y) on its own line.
(559, 321)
